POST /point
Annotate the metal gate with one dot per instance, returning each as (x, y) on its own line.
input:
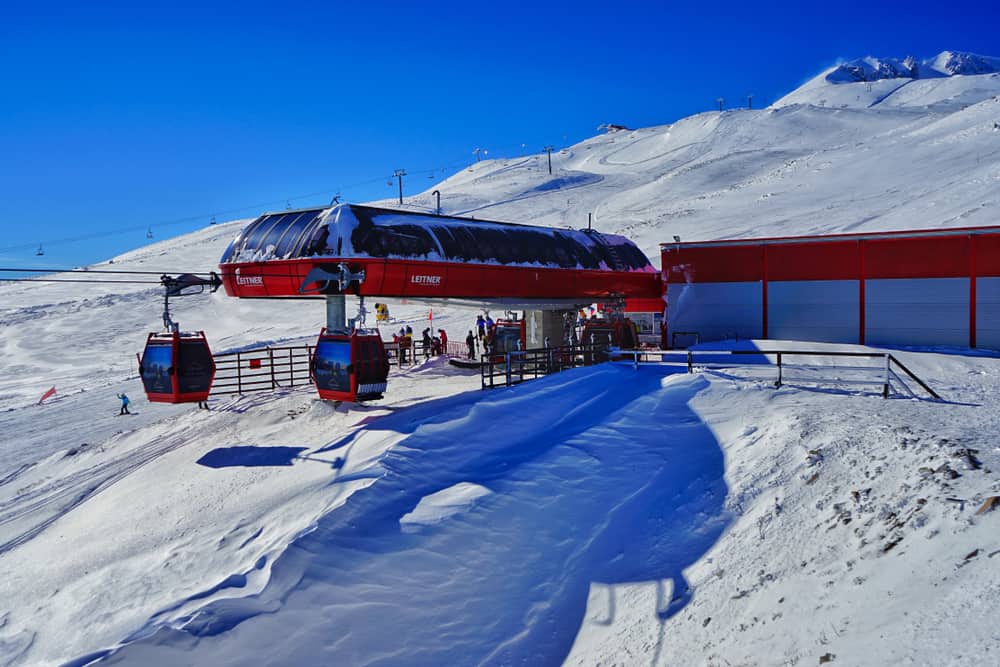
(263, 369)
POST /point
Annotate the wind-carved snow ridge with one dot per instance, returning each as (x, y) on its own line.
(509, 574)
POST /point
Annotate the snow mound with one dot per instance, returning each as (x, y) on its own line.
(443, 504)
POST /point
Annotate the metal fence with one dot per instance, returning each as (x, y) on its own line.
(886, 375)
(263, 369)
(516, 367)
(270, 368)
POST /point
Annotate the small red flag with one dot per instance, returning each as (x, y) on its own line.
(50, 392)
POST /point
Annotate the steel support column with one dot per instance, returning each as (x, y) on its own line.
(336, 312)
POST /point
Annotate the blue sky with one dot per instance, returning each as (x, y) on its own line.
(119, 119)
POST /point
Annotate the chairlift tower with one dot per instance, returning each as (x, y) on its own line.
(398, 175)
(549, 149)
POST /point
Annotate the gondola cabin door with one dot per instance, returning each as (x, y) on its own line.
(350, 367)
(177, 367)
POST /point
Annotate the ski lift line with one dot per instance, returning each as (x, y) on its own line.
(79, 280)
(250, 207)
(180, 221)
(120, 271)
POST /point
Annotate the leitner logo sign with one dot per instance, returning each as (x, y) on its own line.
(249, 280)
(425, 280)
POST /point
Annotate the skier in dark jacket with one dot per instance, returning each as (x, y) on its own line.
(427, 342)
(470, 341)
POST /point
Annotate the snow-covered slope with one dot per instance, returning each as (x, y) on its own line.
(558, 520)
(927, 156)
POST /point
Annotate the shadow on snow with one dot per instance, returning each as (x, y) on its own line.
(600, 475)
(249, 457)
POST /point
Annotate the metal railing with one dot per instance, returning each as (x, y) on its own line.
(888, 374)
(512, 368)
(416, 351)
(262, 369)
(270, 368)
(884, 374)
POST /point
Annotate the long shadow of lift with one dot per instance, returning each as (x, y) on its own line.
(588, 492)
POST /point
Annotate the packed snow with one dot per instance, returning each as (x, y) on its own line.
(605, 515)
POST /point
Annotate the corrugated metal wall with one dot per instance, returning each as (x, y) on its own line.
(823, 310)
(715, 311)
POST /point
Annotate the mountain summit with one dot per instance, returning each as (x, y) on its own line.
(946, 63)
(949, 81)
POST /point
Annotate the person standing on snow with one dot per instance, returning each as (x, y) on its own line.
(426, 341)
(124, 400)
(470, 341)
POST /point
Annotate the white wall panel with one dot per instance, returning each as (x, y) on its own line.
(988, 313)
(716, 310)
(917, 311)
(818, 310)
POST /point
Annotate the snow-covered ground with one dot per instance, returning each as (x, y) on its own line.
(608, 515)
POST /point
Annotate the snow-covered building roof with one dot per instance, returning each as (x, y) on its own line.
(354, 231)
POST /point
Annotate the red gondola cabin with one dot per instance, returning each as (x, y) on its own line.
(350, 366)
(177, 367)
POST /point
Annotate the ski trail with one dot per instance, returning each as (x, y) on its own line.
(883, 98)
(41, 507)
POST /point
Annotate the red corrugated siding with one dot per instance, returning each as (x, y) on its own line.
(943, 257)
(730, 264)
(987, 254)
(834, 260)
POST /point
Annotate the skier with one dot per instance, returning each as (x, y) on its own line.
(124, 400)
(426, 341)
(403, 344)
(470, 342)
(442, 334)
